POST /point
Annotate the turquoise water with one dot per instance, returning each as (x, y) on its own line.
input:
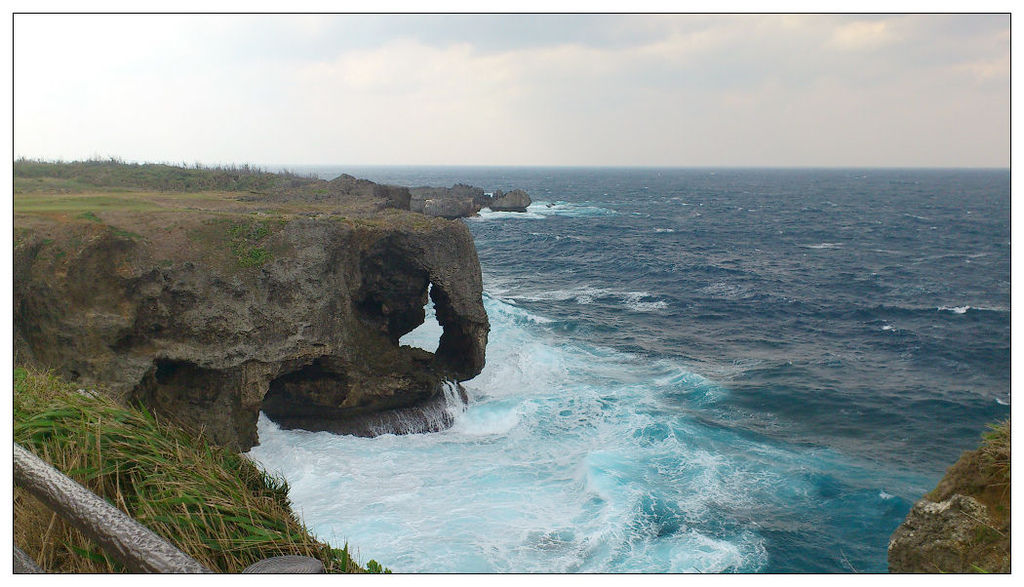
(690, 371)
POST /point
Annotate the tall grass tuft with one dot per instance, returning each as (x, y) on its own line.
(216, 506)
(995, 452)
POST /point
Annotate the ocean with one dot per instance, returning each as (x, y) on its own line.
(689, 370)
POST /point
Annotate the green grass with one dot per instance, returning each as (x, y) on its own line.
(107, 200)
(216, 506)
(29, 185)
(90, 216)
(251, 256)
(55, 189)
(249, 232)
(80, 204)
(245, 243)
(124, 233)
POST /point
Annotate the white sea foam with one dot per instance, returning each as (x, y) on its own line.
(487, 214)
(568, 458)
(726, 289)
(508, 310)
(438, 415)
(823, 246)
(570, 209)
(563, 461)
(493, 418)
(634, 301)
(954, 309)
(675, 379)
(637, 301)
(539, 210)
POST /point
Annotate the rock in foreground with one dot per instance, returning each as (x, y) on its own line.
(963, 526)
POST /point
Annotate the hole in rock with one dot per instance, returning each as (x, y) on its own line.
(306, 392)
(166, 370)
(426, 336)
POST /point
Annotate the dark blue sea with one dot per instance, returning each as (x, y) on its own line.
(690, 370)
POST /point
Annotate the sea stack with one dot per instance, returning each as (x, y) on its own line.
(514, 201)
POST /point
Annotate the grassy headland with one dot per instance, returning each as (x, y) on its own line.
(224, 216)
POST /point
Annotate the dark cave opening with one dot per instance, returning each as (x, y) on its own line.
(308, 391)
(166, 370)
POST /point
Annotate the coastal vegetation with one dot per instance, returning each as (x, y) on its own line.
(106, 190)
(116, 175)
(984, 474)
(226, 215)
(213, 504)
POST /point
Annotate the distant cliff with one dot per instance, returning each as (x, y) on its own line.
(963, 525)
(461, 200)
(209, 308)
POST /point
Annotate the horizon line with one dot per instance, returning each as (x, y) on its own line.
(285, 166)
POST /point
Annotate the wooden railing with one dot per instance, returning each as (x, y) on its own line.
(124, 539)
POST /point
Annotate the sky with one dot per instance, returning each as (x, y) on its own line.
(683, 90)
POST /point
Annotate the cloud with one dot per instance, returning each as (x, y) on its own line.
(516, 89)
(862, 35)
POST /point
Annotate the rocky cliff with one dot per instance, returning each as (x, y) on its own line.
(963, 525)
(210, 315)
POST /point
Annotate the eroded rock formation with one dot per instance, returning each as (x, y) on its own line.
(207, 318)
(514, 201)
(461, 200)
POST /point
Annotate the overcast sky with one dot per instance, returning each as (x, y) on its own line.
(677, 90)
